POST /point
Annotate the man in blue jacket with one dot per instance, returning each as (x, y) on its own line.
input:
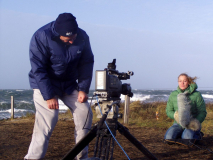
(61, 68)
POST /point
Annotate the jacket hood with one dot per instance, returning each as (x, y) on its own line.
(54, 33)
(190, 89)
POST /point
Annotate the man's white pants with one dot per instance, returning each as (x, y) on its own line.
(46, 119)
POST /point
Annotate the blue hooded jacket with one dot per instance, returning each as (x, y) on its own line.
(57, 68)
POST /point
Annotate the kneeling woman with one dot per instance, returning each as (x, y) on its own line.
(187, 107)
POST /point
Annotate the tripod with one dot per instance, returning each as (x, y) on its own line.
(104, 142)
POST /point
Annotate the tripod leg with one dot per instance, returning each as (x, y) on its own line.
(104, 147)
(108, 147)
(100, 146)
(96, 145)
(122, 130)
(111, 149)
(81, 144)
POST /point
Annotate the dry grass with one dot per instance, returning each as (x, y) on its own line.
(144, 115)
(143, 125)
(207, 125)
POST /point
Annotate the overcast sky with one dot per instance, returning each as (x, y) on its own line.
(156, 39)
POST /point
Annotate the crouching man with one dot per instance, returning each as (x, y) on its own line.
(61, 68)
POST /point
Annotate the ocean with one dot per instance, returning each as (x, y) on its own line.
(23, 100)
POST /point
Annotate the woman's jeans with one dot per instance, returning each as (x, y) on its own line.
(176, 131)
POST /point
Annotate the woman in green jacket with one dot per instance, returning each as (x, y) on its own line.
(187, 107)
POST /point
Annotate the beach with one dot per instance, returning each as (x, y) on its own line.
(15, 137)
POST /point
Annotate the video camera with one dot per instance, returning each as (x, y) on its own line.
(108, 83)
(108, 88)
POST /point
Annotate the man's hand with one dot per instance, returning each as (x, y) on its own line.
(52, 103)
(82, 97)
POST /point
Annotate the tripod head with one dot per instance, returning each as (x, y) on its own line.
(112, 106)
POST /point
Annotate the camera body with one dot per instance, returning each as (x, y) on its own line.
(108, 85)
(108, 88)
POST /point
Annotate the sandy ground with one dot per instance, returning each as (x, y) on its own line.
(15, 137)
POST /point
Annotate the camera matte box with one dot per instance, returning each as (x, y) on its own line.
(101, 80)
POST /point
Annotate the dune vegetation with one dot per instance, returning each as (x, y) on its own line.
(143, 124)
(143, 114)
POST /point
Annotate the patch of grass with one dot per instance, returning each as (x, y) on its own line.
(207, 125)
(144, 115)
(29, 115)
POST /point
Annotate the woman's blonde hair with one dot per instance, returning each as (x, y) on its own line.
(191, 80)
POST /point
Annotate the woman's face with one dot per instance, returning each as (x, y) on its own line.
(183, 82)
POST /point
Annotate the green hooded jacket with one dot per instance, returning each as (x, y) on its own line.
(198, 107)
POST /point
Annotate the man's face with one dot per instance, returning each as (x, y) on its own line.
(68, 40)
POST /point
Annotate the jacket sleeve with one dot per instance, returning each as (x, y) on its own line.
(201, 108)
(85, 68)
(170, 108)
(39, 59)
